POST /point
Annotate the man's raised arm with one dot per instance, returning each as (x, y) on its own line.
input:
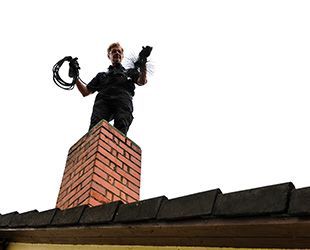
(82, 88)
(142, 77)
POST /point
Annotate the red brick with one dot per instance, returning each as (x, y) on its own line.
(111, 180)
(90, 166)
(85, 202)
(125, 168)
(118, 134)
(104, 145)
(109, 156)
(99, 197)
(80, 166)
(76, 145)
(123, 196)
(130, 151)
(104, 130)
(116, 198)
(134, 173)
(134, 187)
(82, 143)
(88, 179)
(103, 159)
(128, 176)
(127, 155)
(84, 197)
(126, 190)
(70, 164)
(93, 202)
(112, 144)
(116, 140)
(95, 138)
(72, 197)
(124, 181)
(95, 129)
(81, 173)
(114, 152)
(76, 203)
(76, 180)
(109, 196)
(74, 189)
(107, 170)
(135, 161)
(128, 142)
(113, 166)
(129, 163)
(130, 200)
(86, 147)
(99, 188)
(88, 153)
(62, 193)
(63, 182)
(79, 187)
(100, 173)
(106, 185)
(65, 205)
(136, 148)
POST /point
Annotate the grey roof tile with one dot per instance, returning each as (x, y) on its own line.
(23, 219)
(139, 211)
(6, 219)
(199, 204)
(43, 218)
(69, 216)
(300, 202)
(254, 202)
(100, 214)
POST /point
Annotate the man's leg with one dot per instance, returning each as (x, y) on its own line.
(123, 113)
(101, 110)
(122, 120)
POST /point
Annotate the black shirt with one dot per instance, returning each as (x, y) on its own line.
(116, 81)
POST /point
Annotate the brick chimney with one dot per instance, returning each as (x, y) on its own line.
(103, 166)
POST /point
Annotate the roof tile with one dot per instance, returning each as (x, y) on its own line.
(6, 219)
(23, 219)
(69, 216)
(300, 202)
(254, 202)
(199, 204)
(138, 211)
(100, 214)
(43, 218)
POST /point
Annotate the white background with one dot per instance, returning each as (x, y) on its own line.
(226, 107)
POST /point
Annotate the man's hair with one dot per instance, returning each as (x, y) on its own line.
(113, 45)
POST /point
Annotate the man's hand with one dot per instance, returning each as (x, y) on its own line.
(143, 55)
(74, 68)
(145, 52)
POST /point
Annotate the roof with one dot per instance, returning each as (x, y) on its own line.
(258, 217)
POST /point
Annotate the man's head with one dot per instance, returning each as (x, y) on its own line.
(115, 53)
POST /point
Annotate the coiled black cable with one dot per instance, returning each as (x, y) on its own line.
(73, 73)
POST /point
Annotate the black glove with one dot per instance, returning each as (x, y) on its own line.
(145, 52)
(143, 55)
(74, 68)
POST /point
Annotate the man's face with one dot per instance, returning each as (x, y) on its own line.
(116, 55)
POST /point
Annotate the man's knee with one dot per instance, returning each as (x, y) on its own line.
(122, 122)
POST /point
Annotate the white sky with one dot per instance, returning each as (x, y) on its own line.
(227, 106)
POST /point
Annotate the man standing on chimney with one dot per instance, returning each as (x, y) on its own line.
(115, 89)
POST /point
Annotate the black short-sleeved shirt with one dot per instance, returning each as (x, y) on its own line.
(116, 81)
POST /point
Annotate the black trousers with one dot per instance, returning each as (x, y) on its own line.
(118, 108)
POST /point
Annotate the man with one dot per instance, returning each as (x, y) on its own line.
(115, 90)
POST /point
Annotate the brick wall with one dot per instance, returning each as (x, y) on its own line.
(103, 166)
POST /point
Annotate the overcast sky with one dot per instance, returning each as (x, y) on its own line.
(227, 105)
